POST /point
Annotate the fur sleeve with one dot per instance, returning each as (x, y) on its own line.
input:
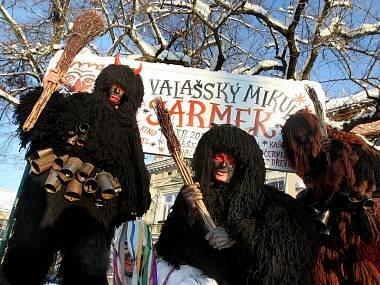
(367, 171)
(179, 243)
(47, 124)
(281, 241)
(142, 176)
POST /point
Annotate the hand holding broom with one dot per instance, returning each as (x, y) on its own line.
(175, 150)
(86, 27)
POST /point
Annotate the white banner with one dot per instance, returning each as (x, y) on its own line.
(197, 98)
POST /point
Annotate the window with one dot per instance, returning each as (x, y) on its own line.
(3, 225)
(167, 203)
(277, 183)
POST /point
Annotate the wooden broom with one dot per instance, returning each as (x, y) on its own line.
(174, 147)
(87, 26)
(320, 114)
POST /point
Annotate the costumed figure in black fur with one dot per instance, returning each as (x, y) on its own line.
(262, 235)
(97, 131)
(341, 195)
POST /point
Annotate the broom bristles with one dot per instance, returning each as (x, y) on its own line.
(320, 114)
(166, 125)
(174, 147)
(86, 27)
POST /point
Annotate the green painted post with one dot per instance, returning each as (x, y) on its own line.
(8, 228)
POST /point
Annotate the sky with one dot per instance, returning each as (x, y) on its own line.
(12, 163)
(11, 175)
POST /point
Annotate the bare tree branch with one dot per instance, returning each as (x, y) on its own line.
(336, 42)
(315, 43)
(348, 126)
(8, 98)
(21, 36)
(290, 37)
(58, 16)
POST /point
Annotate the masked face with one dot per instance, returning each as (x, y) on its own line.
(223, 167)
(115, 95)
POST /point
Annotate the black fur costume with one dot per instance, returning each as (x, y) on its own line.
(81, 232)
(350, 253)
(274, 237)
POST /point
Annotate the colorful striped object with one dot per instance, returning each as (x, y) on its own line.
(133, 242)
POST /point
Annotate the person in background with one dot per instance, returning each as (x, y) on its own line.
(262, 236)
(342, 173)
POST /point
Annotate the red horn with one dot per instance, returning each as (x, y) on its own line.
(117, 58)
(138, 70)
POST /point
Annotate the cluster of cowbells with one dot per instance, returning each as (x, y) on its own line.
(74, 176)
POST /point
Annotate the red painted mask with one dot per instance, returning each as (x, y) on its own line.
(115, 95)
(224, 167)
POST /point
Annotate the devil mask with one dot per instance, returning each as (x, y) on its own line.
(120, 88)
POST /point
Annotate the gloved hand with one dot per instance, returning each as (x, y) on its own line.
(191, 193)
(218, 238)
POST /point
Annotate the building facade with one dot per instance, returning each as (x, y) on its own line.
(6, 203)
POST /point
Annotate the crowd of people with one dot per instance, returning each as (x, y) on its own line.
(328, 235)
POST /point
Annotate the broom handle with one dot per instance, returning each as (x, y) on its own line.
(324, 136)
(320, 114)
(39, 106)
(62, 67)
(205, 215)
(185, 173)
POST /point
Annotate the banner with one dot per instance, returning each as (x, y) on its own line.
(197, 99)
